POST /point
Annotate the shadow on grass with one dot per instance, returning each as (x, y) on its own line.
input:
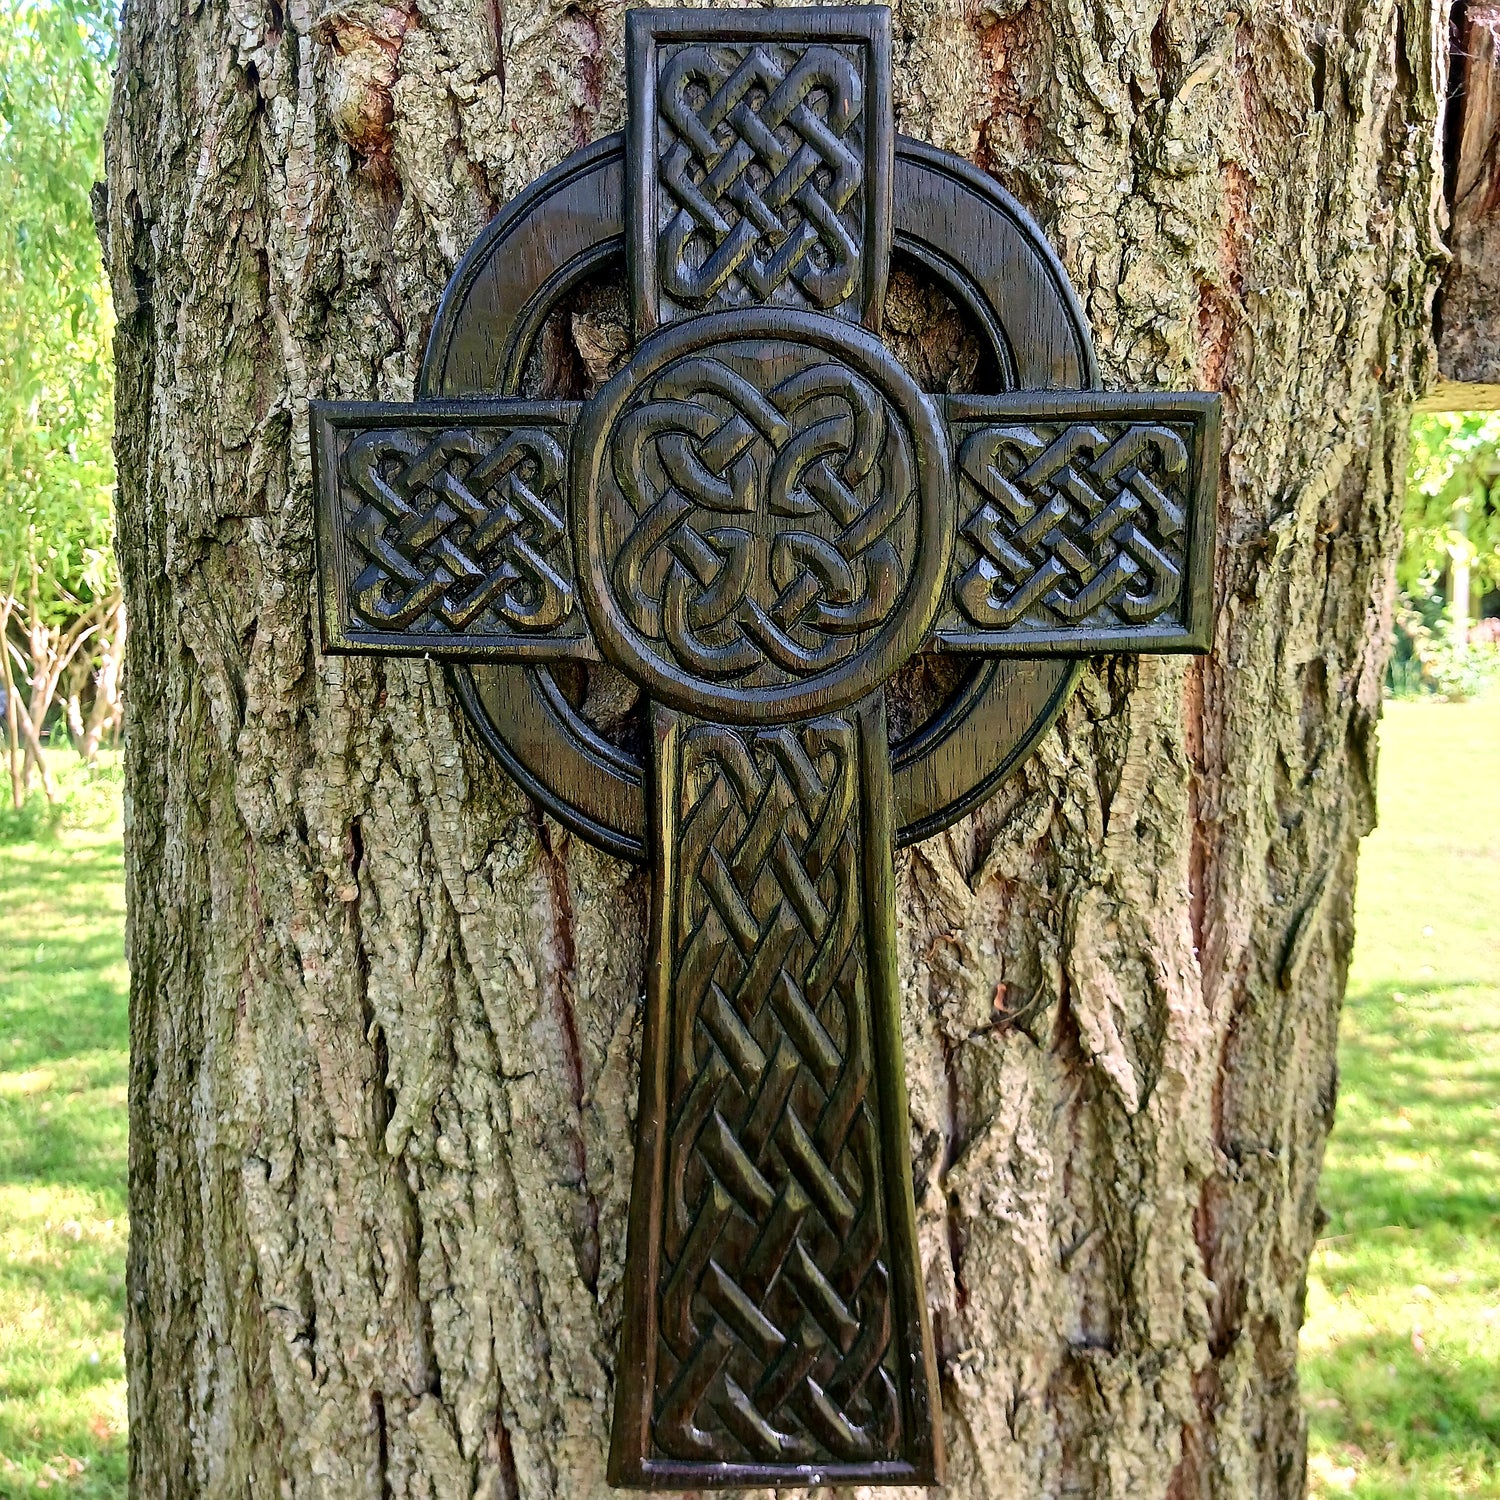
(61, 1379)
(1429, 1408)
(66, 1015)
(1415, 1025)
(81, 1148)
(87, 1272)
(85, 1459)
(1400, 1365)
(1415, 1142)
(35, 822)
(62, 964)
(63, 1072)
(87, 796)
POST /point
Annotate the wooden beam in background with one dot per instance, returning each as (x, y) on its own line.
(1467, 317)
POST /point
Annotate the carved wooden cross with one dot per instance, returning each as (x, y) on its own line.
(761, 520)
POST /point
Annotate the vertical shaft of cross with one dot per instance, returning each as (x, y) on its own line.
(774, 1312)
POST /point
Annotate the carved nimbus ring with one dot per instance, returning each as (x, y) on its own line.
(954, 225)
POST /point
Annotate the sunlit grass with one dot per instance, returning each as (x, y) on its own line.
(63, 1066)
(1401, 1351)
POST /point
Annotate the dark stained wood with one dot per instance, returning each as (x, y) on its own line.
(1086, 523)
(760, 521)
(779, 1323)
(563, 228)
(763, 514)
(447, 533)
(981, 247)
(797, 211)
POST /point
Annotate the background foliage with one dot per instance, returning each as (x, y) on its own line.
(1455, 465)
(58, 587)
(1451, 521)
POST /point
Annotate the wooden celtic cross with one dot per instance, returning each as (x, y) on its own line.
(762, 521)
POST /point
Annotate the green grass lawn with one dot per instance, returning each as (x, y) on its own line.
(1401, 1353)
(62, 1144)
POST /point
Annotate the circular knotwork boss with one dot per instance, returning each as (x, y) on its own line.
(762, 513)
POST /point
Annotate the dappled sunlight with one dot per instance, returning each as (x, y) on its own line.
(1401, 1347)
(63, 1229)
(37, 1081)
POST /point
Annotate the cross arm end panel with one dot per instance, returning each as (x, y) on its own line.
(1085, 523)
(442, 530)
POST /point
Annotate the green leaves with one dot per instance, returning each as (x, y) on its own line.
(1452, 500)
(56, 410)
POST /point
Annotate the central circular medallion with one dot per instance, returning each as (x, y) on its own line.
(762, 514)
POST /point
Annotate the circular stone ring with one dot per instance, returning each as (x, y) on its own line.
(952, 224)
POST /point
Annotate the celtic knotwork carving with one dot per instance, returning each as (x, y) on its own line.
(1078, 525)
(758, 514)
(458, 531)
(761, 171)
(763, 537)
(775, 1301)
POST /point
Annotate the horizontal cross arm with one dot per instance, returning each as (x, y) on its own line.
(1085, 523)
(442, 530)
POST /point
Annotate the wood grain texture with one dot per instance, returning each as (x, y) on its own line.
(385, 1015)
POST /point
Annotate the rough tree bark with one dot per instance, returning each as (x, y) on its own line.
(385, 1015)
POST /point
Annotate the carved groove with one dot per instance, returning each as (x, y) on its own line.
(774, 1322)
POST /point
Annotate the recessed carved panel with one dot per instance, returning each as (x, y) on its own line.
(774, 1340)
(763, 174)
(1079, 528)
(447, 536)
(761, 171)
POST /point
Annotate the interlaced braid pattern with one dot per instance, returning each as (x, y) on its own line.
(457, 532)
(761, 171)
(1076, 524)
(774, 1290)
(763, 537)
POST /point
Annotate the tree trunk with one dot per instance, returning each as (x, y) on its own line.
(385, 1014)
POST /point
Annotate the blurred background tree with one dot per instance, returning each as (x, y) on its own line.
(61, 615)
(1448, 607)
